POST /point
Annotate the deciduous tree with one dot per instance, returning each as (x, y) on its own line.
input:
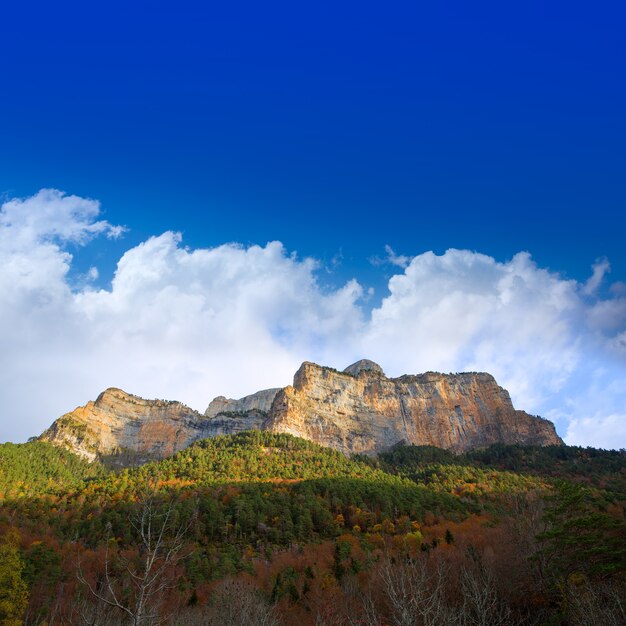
(13, 588)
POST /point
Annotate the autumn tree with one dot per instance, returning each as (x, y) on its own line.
(134, 584)
(235, 603)
(13, 588)
(482, 604)
(601, 603)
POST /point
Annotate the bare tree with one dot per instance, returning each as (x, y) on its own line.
(89, 611)
(136, 587)
(235, 603)
(415, 592)
(596, 604)
(481, 604)
(424, 591)
(366, 613)
(355, 607)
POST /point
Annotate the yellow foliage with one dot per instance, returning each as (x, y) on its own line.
(576, 579)
(388, 527)
(13, 589)
(328, 581)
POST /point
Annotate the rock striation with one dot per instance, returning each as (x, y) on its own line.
(359, 410)
(128, 430)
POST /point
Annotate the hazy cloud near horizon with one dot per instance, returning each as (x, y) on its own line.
(190, 324)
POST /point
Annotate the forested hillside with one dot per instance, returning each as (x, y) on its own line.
(38, 468)
(259, 528)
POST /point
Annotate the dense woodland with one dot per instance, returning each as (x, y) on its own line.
(266, 529)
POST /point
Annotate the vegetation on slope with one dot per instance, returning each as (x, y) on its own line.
(299, 520)
(502, 468)
(37, 468)
(258, 456)
(604, 469)
(443, 472)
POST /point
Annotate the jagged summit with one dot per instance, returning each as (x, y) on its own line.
(358, 410)
(364, 365)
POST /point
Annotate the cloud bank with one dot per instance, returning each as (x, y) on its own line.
(191, 324)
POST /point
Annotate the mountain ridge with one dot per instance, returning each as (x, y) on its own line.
(359, 410)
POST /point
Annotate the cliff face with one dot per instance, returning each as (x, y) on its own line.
(359, 410)
(135, 430)
(259, 401)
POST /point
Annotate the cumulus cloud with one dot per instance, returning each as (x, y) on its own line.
(558, 351)
(175, 323)
(463, 310)
(53, 216)
(191, 324)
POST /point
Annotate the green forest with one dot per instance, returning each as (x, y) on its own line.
(268, 529)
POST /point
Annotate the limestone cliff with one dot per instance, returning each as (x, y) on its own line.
(361, 410)
(358, 410)
(259, 401)
(132, 430)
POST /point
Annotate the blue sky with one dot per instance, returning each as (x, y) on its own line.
(337, 129)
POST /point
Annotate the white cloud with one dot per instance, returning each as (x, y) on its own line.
(400, 260)
(600, 269)
(191, 324)
(51, 216)
(598, 430)
(543, 337)
(464, 310)
(176, 323)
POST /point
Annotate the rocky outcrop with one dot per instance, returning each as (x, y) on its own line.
(358, 410)
(130, 430)
(259, 401)
(364, 365)
(361, 410)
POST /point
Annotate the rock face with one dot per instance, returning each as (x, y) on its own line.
(259, 401)
(364, 365)
(131, 430)
(358, 410)
(361, 410)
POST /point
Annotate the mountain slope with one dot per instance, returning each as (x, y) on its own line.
(37, 468)
(296, 521)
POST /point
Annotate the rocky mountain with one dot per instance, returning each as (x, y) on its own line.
(358, 410)
(130, 430)
(361, 410)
